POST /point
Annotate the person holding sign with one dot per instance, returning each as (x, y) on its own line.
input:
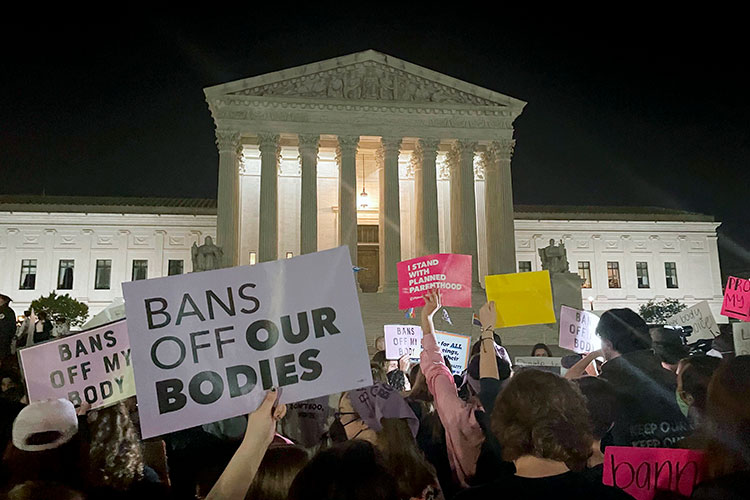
(464, 434)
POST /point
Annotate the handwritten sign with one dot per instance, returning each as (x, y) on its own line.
(403, 339)
(641, 472)
(700, 318)
(521, 298)
(544, 363)
(92, 366)
(741, 335)
(737, 299)
(456, 348)
(207, 346)
(451, 273)
(578, 330)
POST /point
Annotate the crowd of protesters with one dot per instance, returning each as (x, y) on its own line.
(494, 432)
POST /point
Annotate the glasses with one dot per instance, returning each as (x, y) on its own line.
(337, 416)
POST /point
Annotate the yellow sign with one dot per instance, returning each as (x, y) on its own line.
(521, 298)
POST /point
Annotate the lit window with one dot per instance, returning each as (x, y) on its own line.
(140, 270)
(65, 275)
(289, 255)
(103, 274)
(28, 274)
(524, 266)
(613, 274)
(253, 258)
(670, 270)
(175, 267)
(641, 271)
(584, 271)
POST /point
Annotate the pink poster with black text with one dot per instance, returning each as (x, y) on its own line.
(451, 273)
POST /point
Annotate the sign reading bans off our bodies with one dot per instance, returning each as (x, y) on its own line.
(92, 366)
(206, 346)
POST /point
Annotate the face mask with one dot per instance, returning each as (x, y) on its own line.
(684, 407)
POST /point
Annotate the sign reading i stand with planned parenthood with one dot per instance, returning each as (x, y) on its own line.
(207, 346)
(92, 366)
(451, 273)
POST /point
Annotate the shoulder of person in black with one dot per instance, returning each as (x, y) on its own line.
(570, 485)
(733, 486)
(490, 462)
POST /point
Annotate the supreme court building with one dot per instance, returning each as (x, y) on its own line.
(366, 150)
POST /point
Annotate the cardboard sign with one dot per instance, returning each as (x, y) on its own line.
(207, 346)
(451, 273)
(92, 366)
(403, 339)
(456, 348)
(544, 363)
(640, 472)
(737, 299)
(578, 330)
(521, 298)
(741, 335)
(700, 318)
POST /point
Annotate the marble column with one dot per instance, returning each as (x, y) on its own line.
(463, 204)
(308, 158)
(498, 208)
(268, 238)
(425, 196)
(228, 202)
(390, 214)
(346, 156)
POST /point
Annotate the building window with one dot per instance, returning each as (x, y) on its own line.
(65, 275)
(641, 271)
(524, 266)
(613, 274)
(140, 270)
(584, 271)
(253, 258)
(175, 267)
(28, 274)
(670, 270)
(289, 255)
(103, 274)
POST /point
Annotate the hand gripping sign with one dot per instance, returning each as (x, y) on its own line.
(206, 346)
(451, 273)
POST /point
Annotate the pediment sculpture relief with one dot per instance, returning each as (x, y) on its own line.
(367, 81)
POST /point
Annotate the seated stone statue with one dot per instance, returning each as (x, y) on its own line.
(207, 256)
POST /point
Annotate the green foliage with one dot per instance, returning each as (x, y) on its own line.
(62, 306)
(657, 312)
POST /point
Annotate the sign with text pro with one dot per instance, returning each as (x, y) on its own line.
(737, 299)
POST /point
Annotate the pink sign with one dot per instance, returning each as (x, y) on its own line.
(641, 472)
(449, 272)
(737, 299)
(92, 366)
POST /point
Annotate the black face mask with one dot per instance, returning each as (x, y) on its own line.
(337, 431)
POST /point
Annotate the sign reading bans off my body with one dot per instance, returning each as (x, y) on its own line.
(206, 346)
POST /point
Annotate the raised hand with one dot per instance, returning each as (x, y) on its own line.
(431, 303)
(488, 316)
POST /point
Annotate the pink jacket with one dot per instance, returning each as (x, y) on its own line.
(463, 434)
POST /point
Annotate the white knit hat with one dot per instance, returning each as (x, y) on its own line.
(53, 415)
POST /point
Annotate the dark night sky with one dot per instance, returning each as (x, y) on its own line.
(628, 113)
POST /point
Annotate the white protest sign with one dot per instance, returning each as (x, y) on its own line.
(741, 335)
(92, 366)
(700, 318)
(207, 346)
(545, 363)
(402, 339)
(578, 330)
(456, 348)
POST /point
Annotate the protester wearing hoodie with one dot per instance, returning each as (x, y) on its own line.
(649, 416)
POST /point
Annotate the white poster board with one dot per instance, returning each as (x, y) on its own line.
(578, 330)
(700, 318)
(207, 346)
(545, 363)
(400, 339)
(403, 339)
(741, 335)
(91, 366)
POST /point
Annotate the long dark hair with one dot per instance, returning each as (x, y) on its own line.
(404, 459)
(277, 471)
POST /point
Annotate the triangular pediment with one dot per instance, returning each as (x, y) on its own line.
(366, 76)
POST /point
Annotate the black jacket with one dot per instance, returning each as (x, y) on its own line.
(649, 415)
(7, 329)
